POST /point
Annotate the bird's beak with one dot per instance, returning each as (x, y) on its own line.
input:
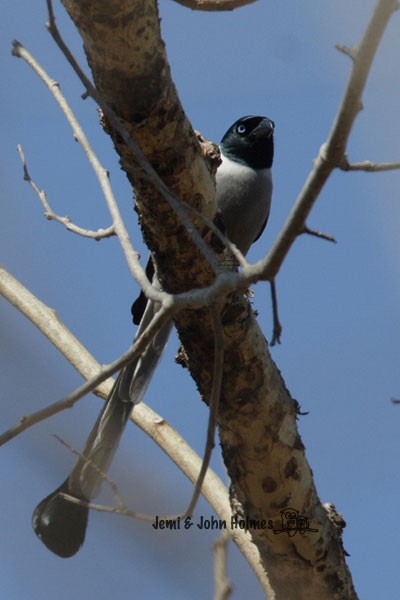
(264, 129)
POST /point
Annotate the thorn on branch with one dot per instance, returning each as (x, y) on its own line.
(53, 30)
(351, 52)
(319, 234)
(277, 330)
(299, 412)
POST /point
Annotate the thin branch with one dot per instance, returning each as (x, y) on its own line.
(131, 255)
(55, 330)
(368, 166)
(148, 171)
(319, 234)
(214, 5)
(49, 323)
(155, 426)
(223, 587)
(219, 345)
(52, 216)
(210, 441)
(120, 508)
(350, 52)
(332, 152)
(225, 241)
(105, 476)
(213, 489)
(91, 384)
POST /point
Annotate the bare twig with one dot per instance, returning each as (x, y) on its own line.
(158, 429)
(51, 325)
(212, 425)
(148, 172)
(368, 166)
(350, 52)
(223, 588)
(120, 508)
(226, 242)
(318, 234)
(332, 152)
(132, 257)
(218, 370)
(52, 216)
(91, 384)
(105, 476)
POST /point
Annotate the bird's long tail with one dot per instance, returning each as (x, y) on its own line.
(61, 523)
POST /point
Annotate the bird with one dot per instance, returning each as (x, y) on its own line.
(243, 198)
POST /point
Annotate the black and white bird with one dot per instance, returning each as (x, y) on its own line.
(243, 196)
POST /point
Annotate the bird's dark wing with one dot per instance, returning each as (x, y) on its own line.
(139, 306)
(262, 229)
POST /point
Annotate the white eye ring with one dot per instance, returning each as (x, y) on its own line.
(241, 129)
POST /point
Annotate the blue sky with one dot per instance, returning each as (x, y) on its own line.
(339, 304)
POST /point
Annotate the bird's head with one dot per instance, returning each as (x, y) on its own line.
(250, 141)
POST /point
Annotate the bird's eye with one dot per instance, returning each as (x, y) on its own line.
(241, 129)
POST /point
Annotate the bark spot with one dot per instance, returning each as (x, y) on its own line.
(269, 485)
(291, 469)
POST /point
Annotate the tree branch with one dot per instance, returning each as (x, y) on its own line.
(368, 166)
(147, 170)
(131, 255)
(223, 588)
(257, 417)
(50, 324)
(319, 234)
(165, 436)
(332, 152)
(52, 216)
(219, 346)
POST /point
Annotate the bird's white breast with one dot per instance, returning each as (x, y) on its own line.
(243, 195)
